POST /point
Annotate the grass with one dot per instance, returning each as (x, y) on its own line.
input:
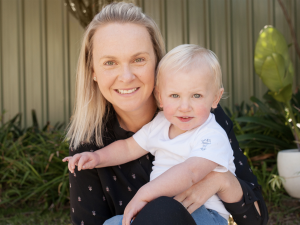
(30, 215)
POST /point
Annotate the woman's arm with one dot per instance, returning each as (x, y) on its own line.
(243, 187)
(88, 202)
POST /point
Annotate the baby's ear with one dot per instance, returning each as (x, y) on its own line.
(158, 97)
(218, 97)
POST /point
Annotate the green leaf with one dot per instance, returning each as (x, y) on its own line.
(270, 41)
(263, 122)
(274, 74)
(284, 95)
(263, 138)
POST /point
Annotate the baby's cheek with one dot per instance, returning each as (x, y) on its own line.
(203, 112)
(169, 111)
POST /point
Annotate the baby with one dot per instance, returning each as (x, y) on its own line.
(185, 138)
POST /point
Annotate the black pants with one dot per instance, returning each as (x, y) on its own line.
(164, 211)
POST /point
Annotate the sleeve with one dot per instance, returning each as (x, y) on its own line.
(215, 147)
(243, 212)
(88, 204)
(142, 135)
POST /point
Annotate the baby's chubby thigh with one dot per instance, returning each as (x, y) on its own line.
(115, 220)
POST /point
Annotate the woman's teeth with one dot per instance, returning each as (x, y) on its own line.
(126, 91)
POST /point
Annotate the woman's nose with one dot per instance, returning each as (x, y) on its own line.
(126, 75)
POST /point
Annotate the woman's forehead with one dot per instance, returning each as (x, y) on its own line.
(116, 38)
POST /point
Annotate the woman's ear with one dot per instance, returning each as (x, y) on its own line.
(94, 76)
(218, 97)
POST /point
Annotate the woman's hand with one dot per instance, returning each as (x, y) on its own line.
(225, 185)
(132, 209)
(85, 160)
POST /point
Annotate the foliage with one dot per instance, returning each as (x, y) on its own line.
(273, 65)
(31, 170)
(262, 130)
(85, 10)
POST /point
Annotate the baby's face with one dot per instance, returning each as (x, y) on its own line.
(188, 96)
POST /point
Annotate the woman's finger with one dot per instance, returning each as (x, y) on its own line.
(124, 220)
(193, 207)
(187, 203)
(128, 217)
(180, 197)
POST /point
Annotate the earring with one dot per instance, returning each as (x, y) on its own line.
(95, 79)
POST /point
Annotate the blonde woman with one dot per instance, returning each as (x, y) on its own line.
(114, 98)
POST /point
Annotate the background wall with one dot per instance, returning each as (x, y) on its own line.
(40, 40)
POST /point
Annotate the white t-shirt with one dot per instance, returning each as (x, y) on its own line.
(208, 141)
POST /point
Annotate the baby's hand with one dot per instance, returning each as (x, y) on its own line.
(132, 209)
(85, 160)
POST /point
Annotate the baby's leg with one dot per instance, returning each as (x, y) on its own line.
(208, 216)
(116, 220)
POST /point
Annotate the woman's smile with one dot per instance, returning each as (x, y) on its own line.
(127, 91)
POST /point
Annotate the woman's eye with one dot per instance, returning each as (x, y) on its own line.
(174, 96)
(139, 60)
(109, 63)
(197, 95)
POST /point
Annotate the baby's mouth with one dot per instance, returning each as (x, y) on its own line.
(185, 118)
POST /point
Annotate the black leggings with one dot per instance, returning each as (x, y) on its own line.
(164, 211)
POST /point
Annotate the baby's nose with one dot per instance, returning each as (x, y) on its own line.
(185, 106)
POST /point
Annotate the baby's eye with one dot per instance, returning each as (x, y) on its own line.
(139, 60)
(109, 63)
(174, 96)
(196, 95)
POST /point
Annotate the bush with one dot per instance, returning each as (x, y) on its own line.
(31, 169)
(262, 131)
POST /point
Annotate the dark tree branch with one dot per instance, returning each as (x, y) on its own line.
(291, 27)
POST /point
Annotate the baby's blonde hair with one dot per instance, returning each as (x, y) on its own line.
(184, 56)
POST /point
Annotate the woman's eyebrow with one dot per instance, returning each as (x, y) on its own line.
(113, 57)
(140, 53)
(107, 57)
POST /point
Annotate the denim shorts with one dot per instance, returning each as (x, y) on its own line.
(201, 216)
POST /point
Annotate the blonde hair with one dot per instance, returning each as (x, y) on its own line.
(91, 108)
(184, 56)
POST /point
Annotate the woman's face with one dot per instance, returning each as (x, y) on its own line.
(124, 64)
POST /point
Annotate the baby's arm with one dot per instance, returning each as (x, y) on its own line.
(119, 152)
(172, 182)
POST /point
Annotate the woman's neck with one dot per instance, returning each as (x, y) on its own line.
(135, 120)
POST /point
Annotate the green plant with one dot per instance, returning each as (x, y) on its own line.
(262, 130)
(31, 170)
(273, 65)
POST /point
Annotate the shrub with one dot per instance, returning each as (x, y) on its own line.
(31, 170)
(262, 130)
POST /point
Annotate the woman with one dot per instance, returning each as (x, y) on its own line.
(115, 80)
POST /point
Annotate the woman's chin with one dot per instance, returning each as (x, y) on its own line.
(128, 106)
